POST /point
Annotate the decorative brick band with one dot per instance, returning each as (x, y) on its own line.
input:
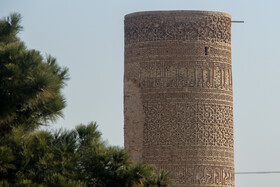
(159, 27)
(193, 175)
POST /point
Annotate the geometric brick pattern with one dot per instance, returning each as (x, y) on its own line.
(178, 105)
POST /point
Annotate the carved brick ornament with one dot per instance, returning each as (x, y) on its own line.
(178, 101)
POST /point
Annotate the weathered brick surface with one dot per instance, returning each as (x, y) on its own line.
(178, 95)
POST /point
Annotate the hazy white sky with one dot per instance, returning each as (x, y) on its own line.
(87, 36)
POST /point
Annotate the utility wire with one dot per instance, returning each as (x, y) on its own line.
(256, 172)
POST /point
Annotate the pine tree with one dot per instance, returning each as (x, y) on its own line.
(30, 85)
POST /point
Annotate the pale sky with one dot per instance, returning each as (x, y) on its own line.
(87, 36)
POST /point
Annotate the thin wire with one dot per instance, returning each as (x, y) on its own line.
(257, 172)
(237, 21)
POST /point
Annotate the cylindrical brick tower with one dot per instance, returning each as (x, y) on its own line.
(178, 101)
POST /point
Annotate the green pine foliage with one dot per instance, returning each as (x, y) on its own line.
(30, 96)
(77, 157)
(30, 86)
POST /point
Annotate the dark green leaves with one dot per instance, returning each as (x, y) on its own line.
(77, 156)
(30, 86)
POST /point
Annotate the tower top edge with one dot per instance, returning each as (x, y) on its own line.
(178, 13)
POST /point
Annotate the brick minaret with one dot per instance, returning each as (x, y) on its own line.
(178, 95)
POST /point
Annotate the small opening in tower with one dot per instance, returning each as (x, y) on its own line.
(206, 50)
